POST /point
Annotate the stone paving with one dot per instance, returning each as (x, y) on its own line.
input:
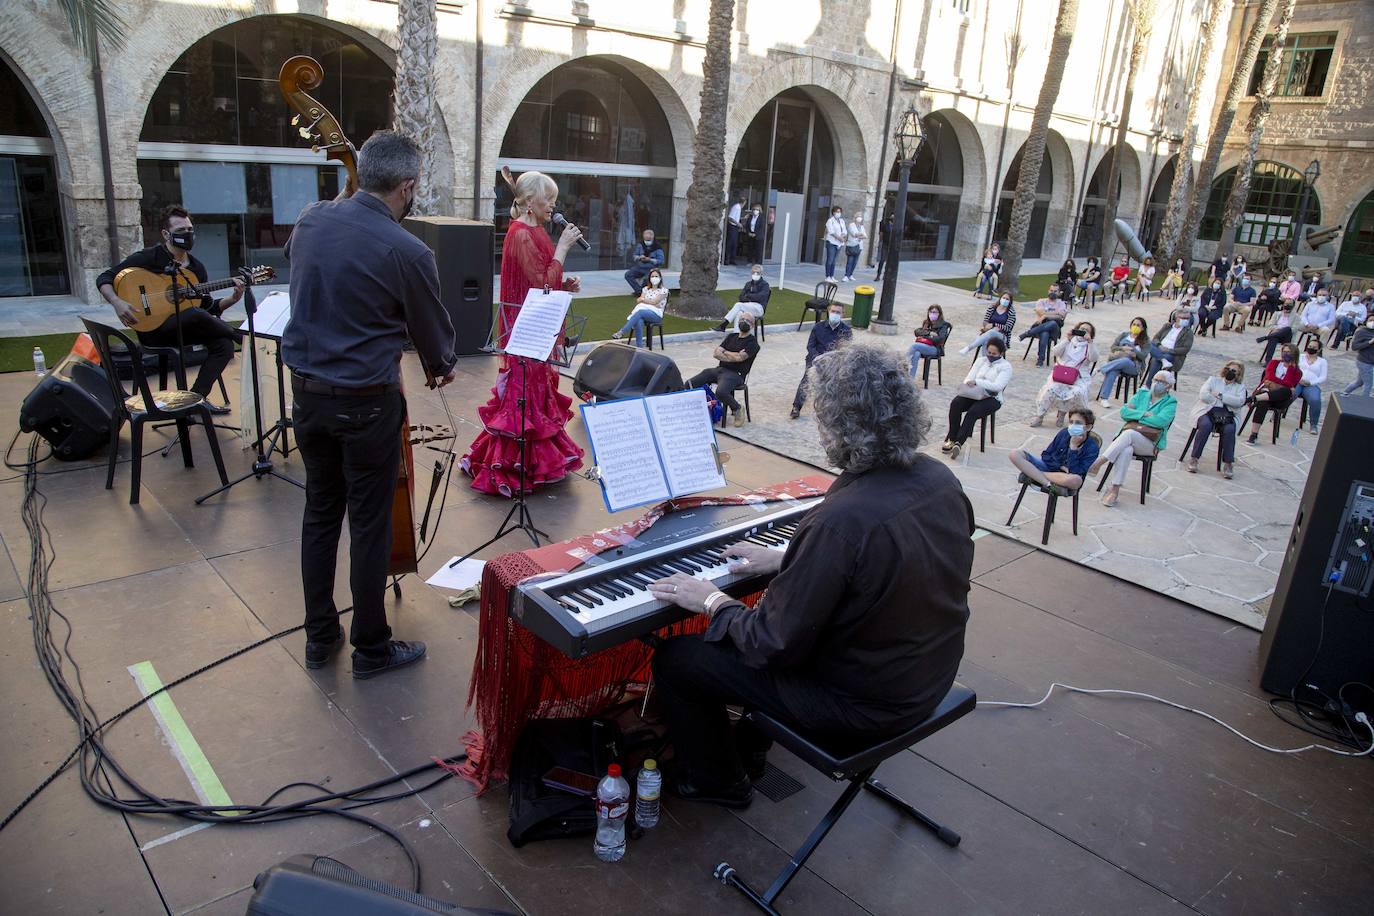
(1213, 543)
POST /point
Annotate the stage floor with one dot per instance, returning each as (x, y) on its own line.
(1088, 805)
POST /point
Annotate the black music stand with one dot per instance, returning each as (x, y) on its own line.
(262, 464)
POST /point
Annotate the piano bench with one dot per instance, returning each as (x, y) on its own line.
(854, 764)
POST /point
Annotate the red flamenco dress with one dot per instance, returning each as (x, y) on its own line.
(493, 459)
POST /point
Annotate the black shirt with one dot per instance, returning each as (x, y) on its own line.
(155, 258)
(872, 597)
(734, 343)
(359, 282)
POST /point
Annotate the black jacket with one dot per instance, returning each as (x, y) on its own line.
(155, 259)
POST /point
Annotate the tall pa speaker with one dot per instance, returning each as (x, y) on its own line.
(1320, 628)
(463, 250)
(72, 408)
(615, 370)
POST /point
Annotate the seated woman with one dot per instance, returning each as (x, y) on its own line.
(648, 308)
(1313, 368)
(753, 300)
(1173, 279)
(1275, 390)
(1129, 352)
(1210, 307)
(1090, 281)
(1144, 277)
(1050, 315)
(930, 339)
(998, 321)
(1067, 387)
(979, 396)
(1266, 303)
(1148, 417)
(1238, 269)
(1061, 466)
(1217, 402)
(1280, 333)
(1067, 280)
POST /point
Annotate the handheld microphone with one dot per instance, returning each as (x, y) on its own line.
(560, 222)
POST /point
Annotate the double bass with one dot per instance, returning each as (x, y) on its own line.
(298, 76)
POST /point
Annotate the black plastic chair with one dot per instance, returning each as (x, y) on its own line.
(748, 417)
(1126, 386)
(1192, 437)
(649, 335)
(1279, 414)
(1147, 473)
(853, 763)
(983, 430)
(1027, 483)
(939, 370)
(819, 302)
(144, 405)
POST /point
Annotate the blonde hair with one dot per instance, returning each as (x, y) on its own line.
(1240, 369)
(529, 185)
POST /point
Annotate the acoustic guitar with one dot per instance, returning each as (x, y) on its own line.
(151, 294)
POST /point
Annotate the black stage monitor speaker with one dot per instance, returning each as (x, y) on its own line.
(71, 407)
(463, 250)
(616, 370)
(1320, 627)
(310, 885)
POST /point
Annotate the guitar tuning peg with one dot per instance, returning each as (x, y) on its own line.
(295, 119)
(305, 134)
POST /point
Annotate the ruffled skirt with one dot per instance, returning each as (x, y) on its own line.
(493, 459)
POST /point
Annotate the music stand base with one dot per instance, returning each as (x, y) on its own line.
(261, 468)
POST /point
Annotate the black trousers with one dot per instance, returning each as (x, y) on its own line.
(351, 447)
(731, 244)
(696, 680)
(965, 412)
(1279, 398)
(1273, 339)
(727, 382)
(199, 327)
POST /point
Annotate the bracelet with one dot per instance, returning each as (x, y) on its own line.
(713, 602)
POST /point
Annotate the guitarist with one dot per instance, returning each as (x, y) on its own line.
(199, 325)
(359, 285)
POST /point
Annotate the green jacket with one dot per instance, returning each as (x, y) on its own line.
(1160, 416)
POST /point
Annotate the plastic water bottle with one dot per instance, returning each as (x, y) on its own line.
(40, 362)
(648, 791)
(612, 806)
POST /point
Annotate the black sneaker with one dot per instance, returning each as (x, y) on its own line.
(755, 763)
(216, 409)
(318, 654)
(722, 326)
(399, 653)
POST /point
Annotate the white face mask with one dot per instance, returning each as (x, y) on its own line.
(654, 281)
(1159, 387)
(1076, 430)
(1004, 303)
(834, 318)
(755, 276)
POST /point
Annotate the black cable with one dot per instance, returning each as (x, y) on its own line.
(31, 463)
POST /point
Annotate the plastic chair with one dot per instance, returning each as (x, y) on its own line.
(1027, 483)
(1147, 468)
(819, 302)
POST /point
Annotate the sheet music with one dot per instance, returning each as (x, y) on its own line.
(539, 323)
(274, 311)
(686, 440)
(625, 453)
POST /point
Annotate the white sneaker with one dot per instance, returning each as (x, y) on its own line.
(1167, 364)
(829, 279)
(1105, 403)
(964, 351)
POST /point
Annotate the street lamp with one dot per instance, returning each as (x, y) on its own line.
(1309, 178)
(910, 136)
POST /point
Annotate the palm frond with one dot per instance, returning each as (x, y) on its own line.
(89, 18)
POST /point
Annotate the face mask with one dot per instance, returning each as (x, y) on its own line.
(1286, 357)
(1136, 329)
(185, 239)
(410, 204)
(1077, 430)
(756, 277)
(1322, 300)
(992, 358)
(1004, 303)
(1244, 282)
(648, 242)
(745, 328)
(654, 281)
(1216, 286)
(837, 214)
(1273, 283)
(833, 318)
(1369, 324)
(1311, 352)
(1292, 277)
(1183, 322)
(1159, 387)
(1229, 375)
(933, 316)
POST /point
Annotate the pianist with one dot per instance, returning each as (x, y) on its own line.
(861, 631)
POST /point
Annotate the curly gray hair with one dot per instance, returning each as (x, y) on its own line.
(869, 411)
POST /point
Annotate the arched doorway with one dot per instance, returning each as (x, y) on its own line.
(786, 161)
(1158, 204)
(1271, 208)
(1357, 242)
(33, 256)
(1088, 238)
(217, 137)
(934, 192)
(596, 129)
(1044, 189)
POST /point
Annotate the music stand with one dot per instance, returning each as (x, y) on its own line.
(262, 464)
(519, 518)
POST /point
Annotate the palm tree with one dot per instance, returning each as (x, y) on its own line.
(1141, 13)
(1259, 114)
(91, 18)
(417, 36)
(706, 193)
(1169, 229)
(1033, 153)
(1226, 116)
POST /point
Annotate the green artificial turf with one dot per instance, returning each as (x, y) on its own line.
(1033, 286)
(16, 353)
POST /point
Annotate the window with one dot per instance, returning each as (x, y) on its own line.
(1303, 68)
(1271, 208)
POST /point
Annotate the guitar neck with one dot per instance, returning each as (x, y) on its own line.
(204, 289)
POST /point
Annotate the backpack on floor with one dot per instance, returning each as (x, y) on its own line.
(539, 812)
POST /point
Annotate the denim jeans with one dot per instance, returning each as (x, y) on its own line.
(1345, 326)
(1123, 366)
(1046, 331)
(917, 351)
(851, 260)
(986, 336)
(987, 281)
(1205, 428)
(1312, 394)
(1365, 378)
(831, 252)
(641, 319)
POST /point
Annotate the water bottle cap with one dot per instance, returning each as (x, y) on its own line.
(613, 770)
(650, 764)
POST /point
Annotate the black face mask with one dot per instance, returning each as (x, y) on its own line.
(410, 205)
(1229, 375)
(185, 239)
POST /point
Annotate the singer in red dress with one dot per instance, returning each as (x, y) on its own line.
(529, 260)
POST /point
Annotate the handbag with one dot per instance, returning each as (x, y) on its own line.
(1221, 416)
(925, 340)
(1065, 375)
(1149, 432)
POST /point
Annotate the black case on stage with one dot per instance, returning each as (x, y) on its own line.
(464, 253)
(616, 370)
(310, 885)
(71, 407)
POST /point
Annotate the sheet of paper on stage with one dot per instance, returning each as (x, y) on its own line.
(274, 311)
(686, 441)
(461, 577)
(625, 453)
(539, 323)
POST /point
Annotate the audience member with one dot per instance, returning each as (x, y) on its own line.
(1242, 300)
(1280, 333)
(836, 232)
(825, 336)
(1067, 386)
(1275, 390)
(1219, 270)
(1238, 270)
(1267, 303)
(1210, 306)
(1067, 280)
(987, 274)
(1061, 466)
(753, 231)
(1318, 316)
(648, 309)
(998, 321)
(884, 240)
(646, 256)
(1090, 281)
(855, 236)
(1363, 345)
(1127, 356)
(1050, 315)
(979, 396)
(930, 339)
(753, 300)
(736, 355)
(1290, 290)
(1349, 316)
(1148, 417)
(732, 227)
(1173, 279)
(1171, 343)
(1217, 401)
(1117, 281)
(1144, 277)
(1313, 368)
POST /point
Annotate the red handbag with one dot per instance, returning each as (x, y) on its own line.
(1065, 375)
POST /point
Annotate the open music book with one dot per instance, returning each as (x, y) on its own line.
(650, 449)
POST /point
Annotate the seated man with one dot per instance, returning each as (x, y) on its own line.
(198, 325)
(1171, 343)
(1318, 316)
(825, 336)
(753, 300)
(1242, 299)
(736, 355)
(1118, 278)
(1210, 306)
(646, 256)
(1267, 303)
(1349, 316)
(861, 631)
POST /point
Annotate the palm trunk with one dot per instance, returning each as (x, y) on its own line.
(1181, 188)
(417, 34)
(705, 195)
(1259, 114)
(1226, 116)
(1065, 21)
(1140, 13)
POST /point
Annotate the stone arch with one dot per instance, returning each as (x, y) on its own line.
(1131, 179)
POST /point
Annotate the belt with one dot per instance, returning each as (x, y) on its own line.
(313, 386)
